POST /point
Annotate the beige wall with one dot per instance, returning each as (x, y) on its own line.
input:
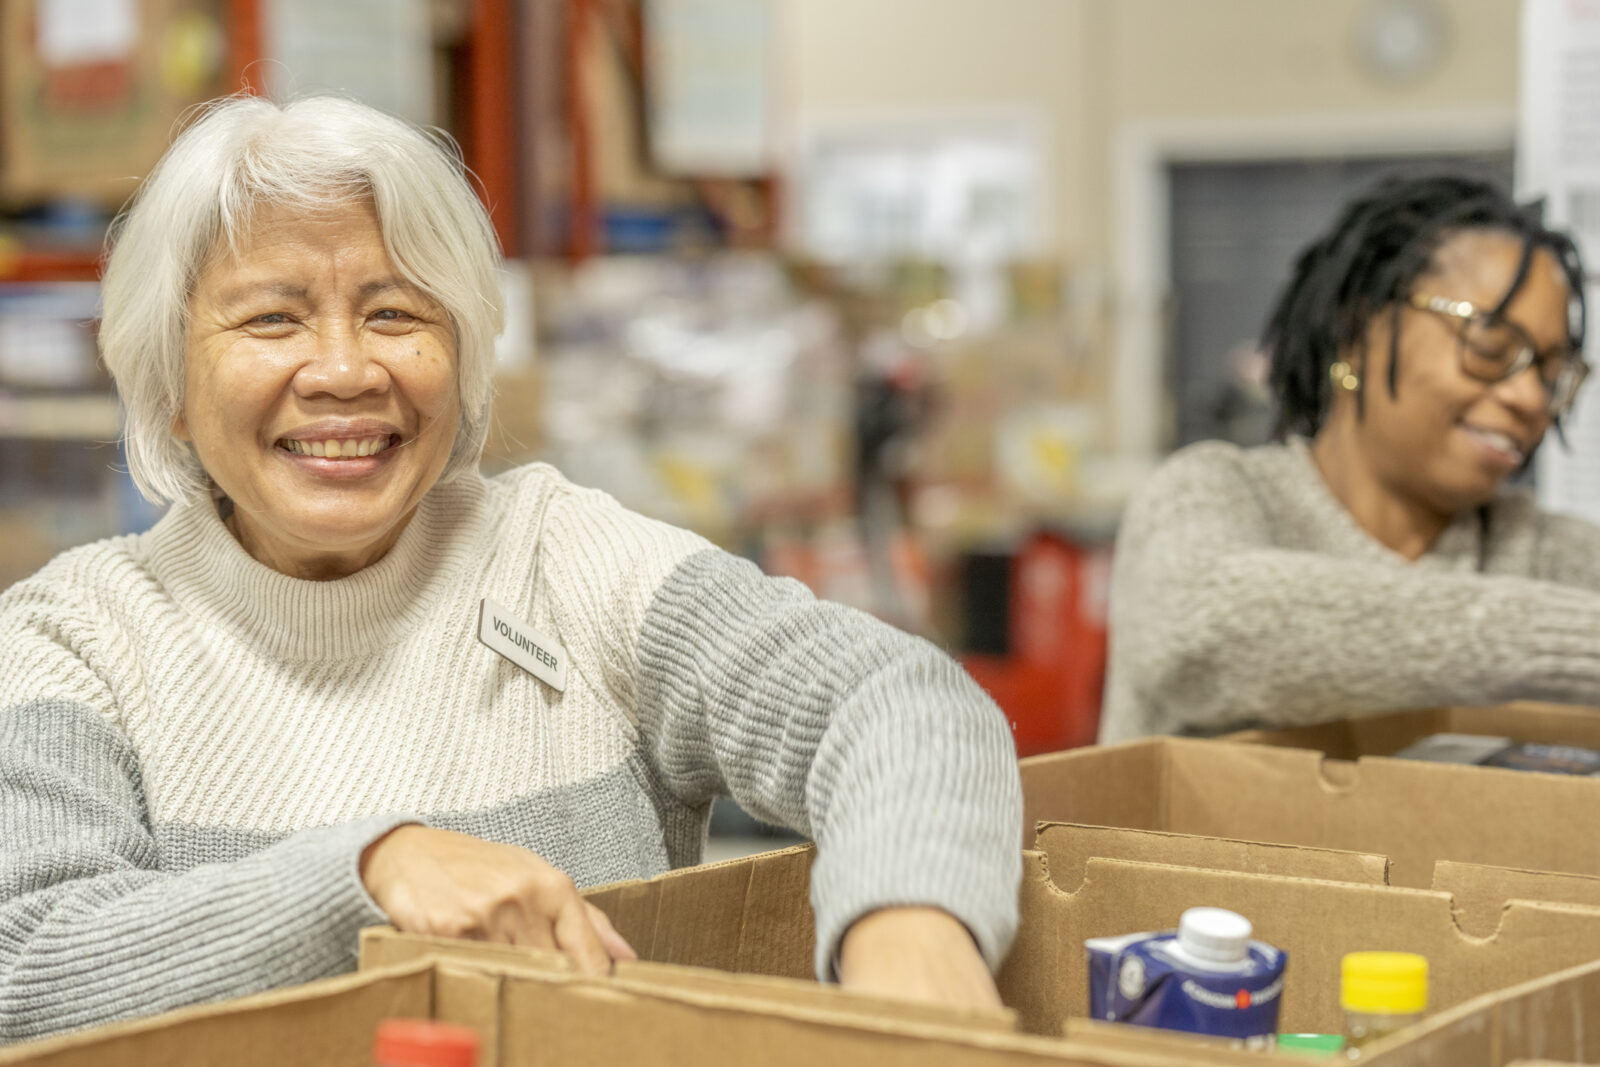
(1207, 57)
(845, 57)
(1121, 86)
(1091, 67)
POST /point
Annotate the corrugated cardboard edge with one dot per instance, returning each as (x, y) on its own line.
(943, 1044)
(1189, 1048)
(386, 947)
(1263, 793)
(759, 883)
(1070, 845)
(96, 1038)
(1481, 892)
(467, 987)
(1123, 770)
(1386, 733)
(470, 996)
(1486, 1031)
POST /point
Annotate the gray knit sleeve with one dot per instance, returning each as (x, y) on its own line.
(91, 928)
(1214, 625)
(1569, 551)
(820, 718)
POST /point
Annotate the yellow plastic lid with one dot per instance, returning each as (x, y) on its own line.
(1384, 983)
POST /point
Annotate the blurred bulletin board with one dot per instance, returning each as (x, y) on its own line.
(378, 51)
(1558, 158)
(927, 185)
(710, 70)
(90, 90)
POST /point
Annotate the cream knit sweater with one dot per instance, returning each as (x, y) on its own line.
(194, 749)
(1243, 593)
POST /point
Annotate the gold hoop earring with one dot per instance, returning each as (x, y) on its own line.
(1344, 376)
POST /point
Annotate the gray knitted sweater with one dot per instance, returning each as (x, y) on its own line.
(195, 749)
(1243, 593)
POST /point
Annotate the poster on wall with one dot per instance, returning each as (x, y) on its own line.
(378, 51)
(710, 71)
(90, 91)
(1558, 158)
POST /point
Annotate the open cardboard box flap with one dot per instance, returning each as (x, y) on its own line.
(1480, 892)
(385, 947)
(1413, 813)
(1384, 735)
(599, 1021)
(1072, 845)
(747, 916)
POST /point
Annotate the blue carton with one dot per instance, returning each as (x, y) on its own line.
(1207, 977)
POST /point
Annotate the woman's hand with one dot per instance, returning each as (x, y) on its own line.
(922, 954)
(453, 885)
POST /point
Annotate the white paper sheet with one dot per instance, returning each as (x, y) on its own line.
(711, 68)
(74, 32)
(378, 51)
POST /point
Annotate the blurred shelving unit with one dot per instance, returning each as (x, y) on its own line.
(875, 424)
(88, 95)
(60, 417)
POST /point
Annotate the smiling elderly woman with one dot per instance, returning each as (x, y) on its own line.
(346, 680)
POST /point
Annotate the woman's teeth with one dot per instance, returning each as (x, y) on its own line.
(1498, 441)
(348, 448)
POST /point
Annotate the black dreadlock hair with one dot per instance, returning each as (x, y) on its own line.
(1367, 263)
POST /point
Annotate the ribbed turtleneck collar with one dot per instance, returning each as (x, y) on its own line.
(213, 578)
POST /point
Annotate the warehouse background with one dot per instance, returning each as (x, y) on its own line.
(899, 297)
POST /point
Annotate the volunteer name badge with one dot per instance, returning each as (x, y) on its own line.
(534, 651)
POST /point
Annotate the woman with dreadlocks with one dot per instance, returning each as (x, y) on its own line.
(1372, 558)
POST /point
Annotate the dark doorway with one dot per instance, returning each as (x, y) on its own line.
(1236, 228)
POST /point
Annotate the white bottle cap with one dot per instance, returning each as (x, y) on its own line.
(1215, 935)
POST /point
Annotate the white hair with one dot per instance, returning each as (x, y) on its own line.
(311, 153)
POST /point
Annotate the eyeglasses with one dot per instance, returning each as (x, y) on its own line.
(1494, 348)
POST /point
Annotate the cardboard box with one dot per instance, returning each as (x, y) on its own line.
(546, 1019)
(1476, 943)
(1384, 735)
(549, 1012)
(383, 947)
(1413, 813)
(531, 1011)
(328, 1022)
(752, 916)
(1313, 854)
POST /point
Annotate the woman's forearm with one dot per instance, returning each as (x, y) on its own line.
(92, 930)
(1279, 636)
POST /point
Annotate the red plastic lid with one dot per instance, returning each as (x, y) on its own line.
(424, 1043)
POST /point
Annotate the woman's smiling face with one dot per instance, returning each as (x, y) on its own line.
(320, 389)
(1444, 438)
